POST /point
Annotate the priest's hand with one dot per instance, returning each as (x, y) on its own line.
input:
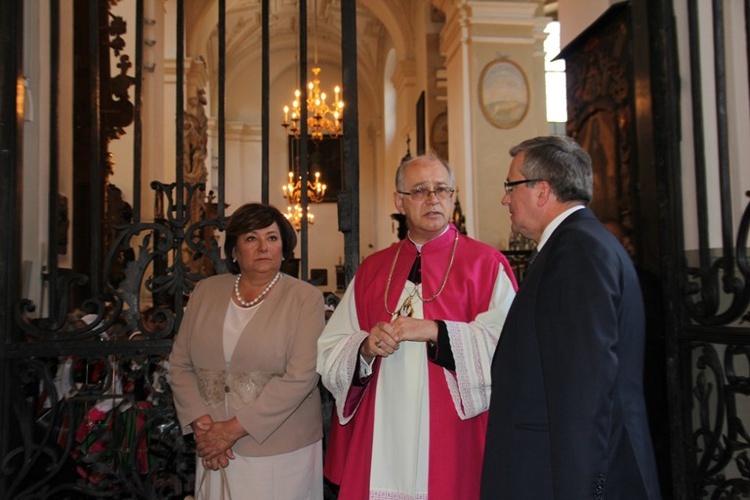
(380, 342)
(410, 329)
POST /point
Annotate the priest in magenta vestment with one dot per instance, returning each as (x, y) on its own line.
(407, 353)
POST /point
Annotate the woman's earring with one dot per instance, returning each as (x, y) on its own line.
(283, 259)
(234, 260)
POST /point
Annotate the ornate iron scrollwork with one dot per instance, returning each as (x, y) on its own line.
(719, 281)
(720, 439)
(94, 410)
(94, 441)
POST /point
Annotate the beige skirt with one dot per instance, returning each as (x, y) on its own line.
(297, 475)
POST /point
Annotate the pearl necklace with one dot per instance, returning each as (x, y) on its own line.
(257, 299)
(407, 302)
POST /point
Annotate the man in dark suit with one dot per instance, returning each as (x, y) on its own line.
(567, 417)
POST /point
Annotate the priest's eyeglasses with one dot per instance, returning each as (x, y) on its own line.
(510, 186)
(421, 194)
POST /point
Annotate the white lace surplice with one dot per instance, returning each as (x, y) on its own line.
(400, 458)
(401, 435)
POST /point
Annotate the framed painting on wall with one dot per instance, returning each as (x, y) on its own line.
(504, 93)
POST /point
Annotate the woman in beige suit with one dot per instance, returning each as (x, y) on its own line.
(242, 368)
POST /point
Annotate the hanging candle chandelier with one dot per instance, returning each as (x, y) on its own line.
(294, 216)
(293, 193)
(322, 119)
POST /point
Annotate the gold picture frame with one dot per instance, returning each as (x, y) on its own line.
(504, 93)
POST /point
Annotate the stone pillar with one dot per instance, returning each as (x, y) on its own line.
(405, 84)
(492, 50)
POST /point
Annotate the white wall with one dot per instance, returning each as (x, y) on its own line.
(738, 125)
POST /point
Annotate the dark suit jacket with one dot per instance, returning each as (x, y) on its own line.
(567, 418)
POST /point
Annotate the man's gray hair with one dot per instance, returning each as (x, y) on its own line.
(561, 162)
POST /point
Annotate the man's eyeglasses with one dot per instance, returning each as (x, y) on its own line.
(420, 194)
(510, 186)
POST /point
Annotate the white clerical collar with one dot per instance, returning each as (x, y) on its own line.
(553, 225)
(420, 245)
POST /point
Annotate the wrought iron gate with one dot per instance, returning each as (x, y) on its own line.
(87, 409)
(707, 284)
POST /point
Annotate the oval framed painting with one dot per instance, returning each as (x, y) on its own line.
(503, 93)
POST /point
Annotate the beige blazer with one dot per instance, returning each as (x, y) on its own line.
(270, 383)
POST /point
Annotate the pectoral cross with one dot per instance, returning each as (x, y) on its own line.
(415, 276)
(406, 307)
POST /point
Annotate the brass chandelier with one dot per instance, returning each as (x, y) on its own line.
(322, 120)
(293, 193)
